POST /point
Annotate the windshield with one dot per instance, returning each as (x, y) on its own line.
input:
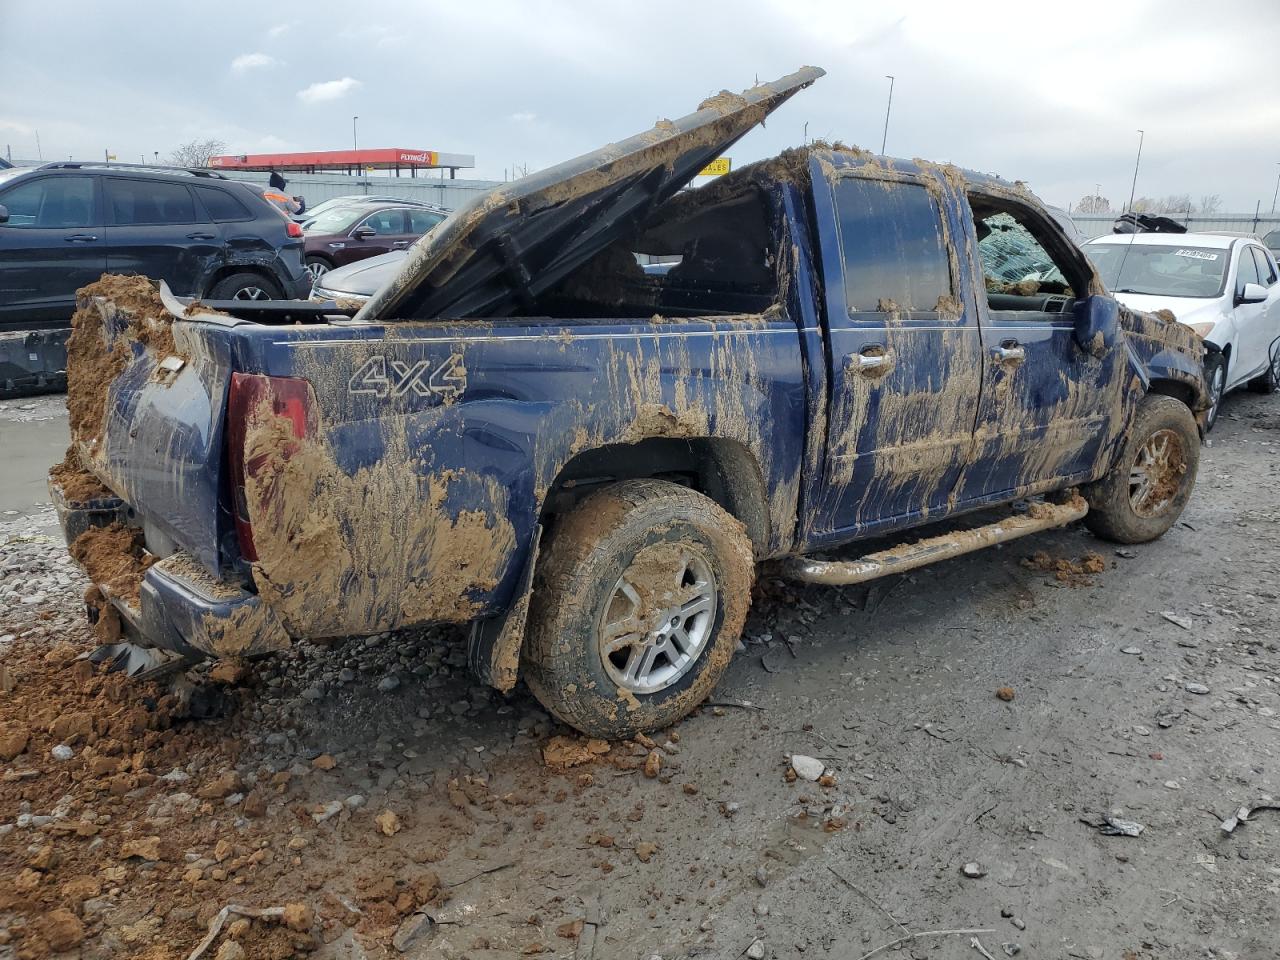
(335, 220)
(1165, 271)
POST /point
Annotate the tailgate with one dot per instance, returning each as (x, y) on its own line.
(147, 398)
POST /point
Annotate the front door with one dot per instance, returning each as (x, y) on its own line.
(1050, 411)
(905, 354)
(380, 232)
(52, 245)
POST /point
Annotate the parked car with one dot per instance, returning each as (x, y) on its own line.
(62, 225)
(357, 282)
(342, 235)
(1272, 242)
(358, 198)
(527, 431)
(1223, 287)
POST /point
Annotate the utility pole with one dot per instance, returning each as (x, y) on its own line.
(1275, 195)
(355, 144)
(887, 109)
(805, 138)
(39, 152)
(1133, 189)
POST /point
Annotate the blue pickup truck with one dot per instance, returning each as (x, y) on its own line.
(585, 457)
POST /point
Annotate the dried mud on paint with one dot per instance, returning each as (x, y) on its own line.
(93, 362)
(341, 554)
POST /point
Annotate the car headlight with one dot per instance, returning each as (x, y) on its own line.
(1203, 329)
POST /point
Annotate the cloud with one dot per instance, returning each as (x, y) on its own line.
(524, 116)
(251, 61)
(328, 90)
(278, 29)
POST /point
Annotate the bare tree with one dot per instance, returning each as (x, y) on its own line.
(1210, 203)
(196, 153)
(1093, 203)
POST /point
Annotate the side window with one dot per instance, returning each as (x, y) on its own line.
(1019, 270)
(420, 221)
(1266, 269)
(51, 202)
(891, 238)
(222, 206)
(132, 202)
(1246, 272)
(385, 221)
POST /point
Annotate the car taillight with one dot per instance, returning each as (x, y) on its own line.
(250, 393)
(294, 229)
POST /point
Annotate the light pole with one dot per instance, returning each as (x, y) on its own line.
(1276, 195)
(887, 109)
(355, 144)
(1133, 189)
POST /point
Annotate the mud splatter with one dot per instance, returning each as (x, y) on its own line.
(114, 558)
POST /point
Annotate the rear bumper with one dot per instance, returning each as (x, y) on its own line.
(181, 607)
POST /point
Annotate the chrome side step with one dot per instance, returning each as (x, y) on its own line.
(908, 556)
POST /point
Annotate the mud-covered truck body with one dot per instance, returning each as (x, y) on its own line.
(586, 457)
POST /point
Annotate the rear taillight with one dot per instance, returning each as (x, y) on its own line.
(294, 230)
(254, 397)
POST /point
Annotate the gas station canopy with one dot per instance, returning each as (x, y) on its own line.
(347, 161)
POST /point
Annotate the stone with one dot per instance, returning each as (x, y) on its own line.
(1198, 688)
(652, 764)
(62, 752)
(299, 917)
(807, 768)
(973, 870)
(223, 785)
(388, 683)
(62, 929)
(388, 823)
(1132, 651)
(13, 740)
(414, 928)
(230, 950)
(756, 950)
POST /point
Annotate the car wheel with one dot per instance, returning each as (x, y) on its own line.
(1145, 492)
(1215, 374)
(640, 597)
(1269, 382)
(244, 286)
(318, 267)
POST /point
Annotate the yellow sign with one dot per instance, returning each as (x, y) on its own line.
(717, 167)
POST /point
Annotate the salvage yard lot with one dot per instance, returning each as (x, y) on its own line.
(378, 785)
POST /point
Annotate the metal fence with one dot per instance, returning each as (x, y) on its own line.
(318, 187)
(1096, 225)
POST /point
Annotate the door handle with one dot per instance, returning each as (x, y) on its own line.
(401, 243)
(80, 238)
(201, 236)
(1011, 352)
(870, 359)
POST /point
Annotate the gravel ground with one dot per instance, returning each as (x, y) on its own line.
(401, 809)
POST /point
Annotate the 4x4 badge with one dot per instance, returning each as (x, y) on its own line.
(395, 378)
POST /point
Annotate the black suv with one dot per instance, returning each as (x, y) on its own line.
(62, 225)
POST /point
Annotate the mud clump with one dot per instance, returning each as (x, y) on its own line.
(78, 485)
(113, 557)
(1073, 573)
(94, 359)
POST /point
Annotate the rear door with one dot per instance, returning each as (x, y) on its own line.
(1267, 276)
(422, 221)
(905, 357)
(1048, 408)
(155, 228)
(52, 245)
(388, 233)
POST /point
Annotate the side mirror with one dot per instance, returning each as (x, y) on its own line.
(1097, 320)
(1252, 293)
(4, 213)
(364, 233)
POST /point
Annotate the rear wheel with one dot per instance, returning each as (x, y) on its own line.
(317, 267)
(641, 594)
(1145, 492)
(1269, 382)
(244, 286)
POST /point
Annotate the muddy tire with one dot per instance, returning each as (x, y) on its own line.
(639, 598)
(1147, 489)
(244, 286)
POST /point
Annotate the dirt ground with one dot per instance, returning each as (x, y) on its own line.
(396, 808)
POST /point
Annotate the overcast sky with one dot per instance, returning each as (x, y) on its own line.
(1052, 98)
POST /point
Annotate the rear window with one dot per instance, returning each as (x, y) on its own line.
(892, 242)
(133, 202)
(221, 205)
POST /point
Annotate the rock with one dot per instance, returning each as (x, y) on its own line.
(563, 751)
(414, 928)
(645, 851)
(388, 823)
(1005, 693)
(973, 870)
(1132, 651)
(652, 764)
(146, 848)
(72, 727)
(62, 752)
(62, 929)
(1019, 923)
(255, 804)
(225, 784)
(807, 768)
(1192, 687)
(355, 801)
(230, 950)
(388, 683)
(298, 917)
(13, 740)
(755, 951)
(324, 762)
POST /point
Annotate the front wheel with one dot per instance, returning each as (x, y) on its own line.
(1215, 375)
(640, 597)
(1145, 492)
(317, 267)
(244, 286)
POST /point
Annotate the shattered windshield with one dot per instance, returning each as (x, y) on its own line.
(1161, 270)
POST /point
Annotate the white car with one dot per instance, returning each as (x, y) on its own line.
(1225, 288)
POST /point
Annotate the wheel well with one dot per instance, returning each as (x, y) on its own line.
(1176, 389)
(723, 470)
(227, 270)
